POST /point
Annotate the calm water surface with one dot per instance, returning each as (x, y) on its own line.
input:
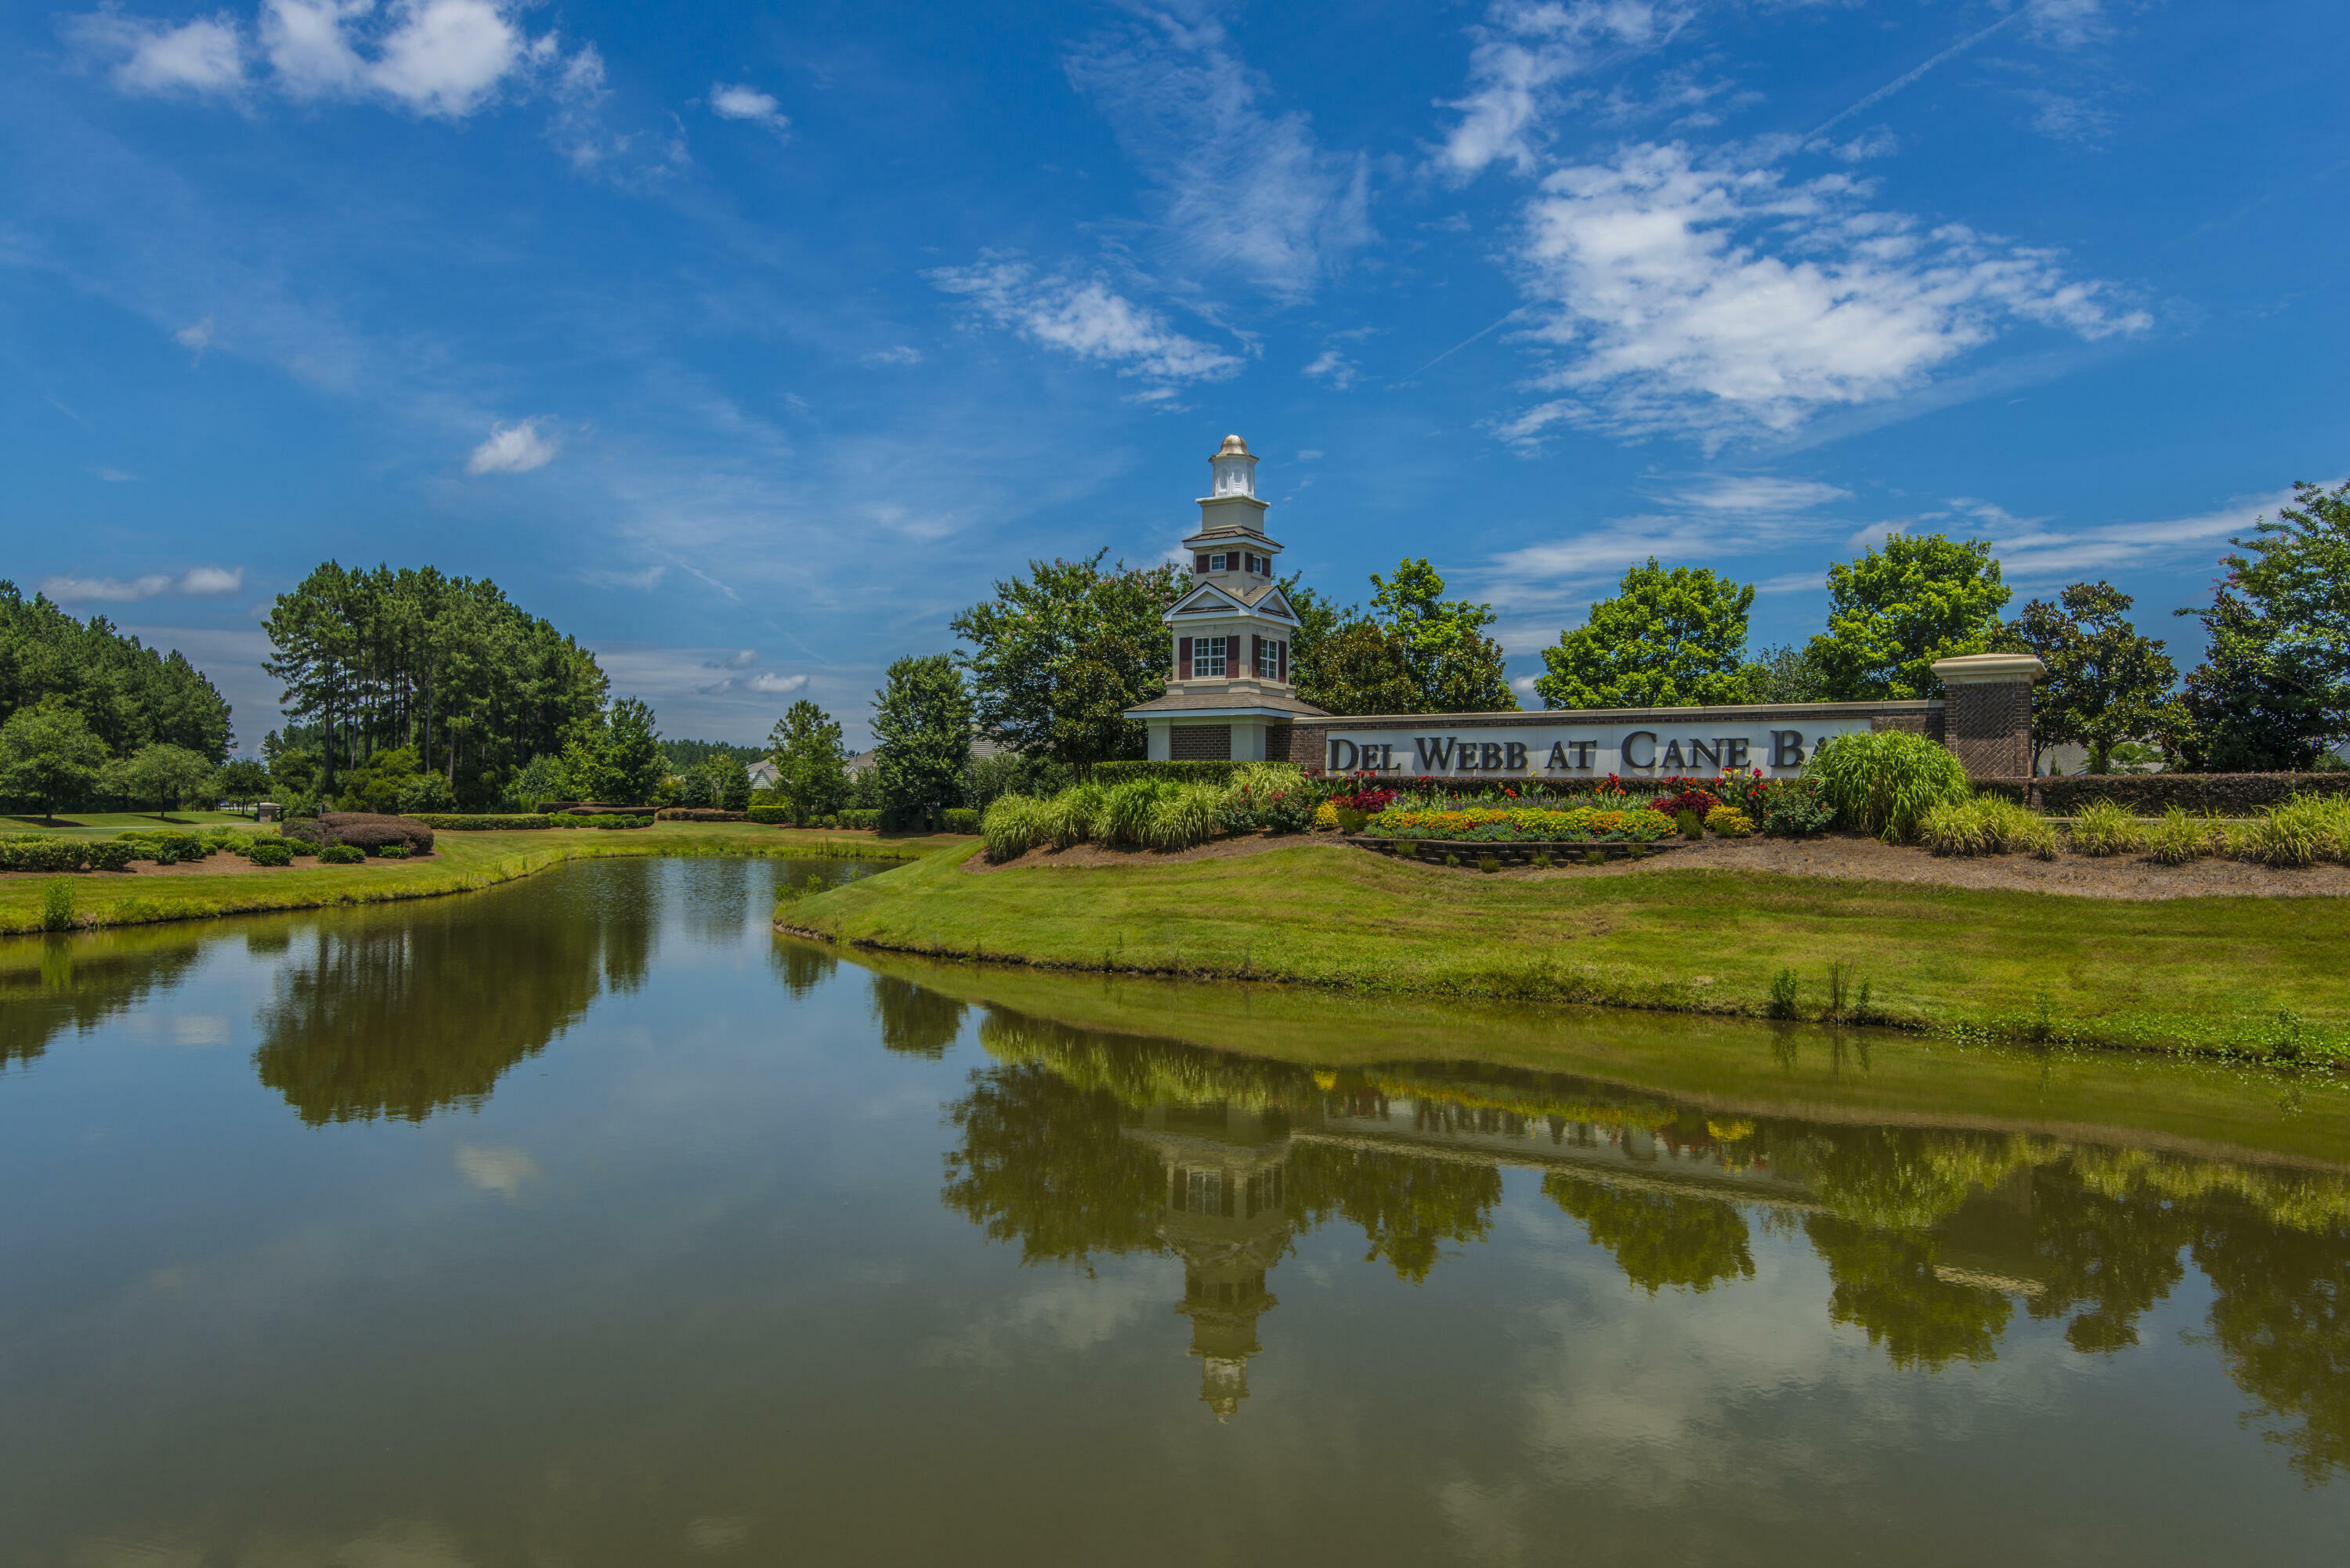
(584, 1222)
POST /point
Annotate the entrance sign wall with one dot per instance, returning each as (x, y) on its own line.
(1634, 743)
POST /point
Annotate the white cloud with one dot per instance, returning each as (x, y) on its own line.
(2031, 552)
(504, 1171)
(775, 685)
(513, 448)
(446, 57)
(1238, 189)
(1084, 317)
(202, 56)
(738, 103)
(1756, 492)
(1310, 454)
(1718, 298)
(195, 337)
(902, 354)
(1524, 49)
(214, 580)
(1335, 367)
(202, 580)
(115, 477)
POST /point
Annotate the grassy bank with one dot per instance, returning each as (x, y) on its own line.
(2254, 976)
(463, 861)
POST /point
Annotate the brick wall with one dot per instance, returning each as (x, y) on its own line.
(1308, 746)
(1200, 743)
(1989, 728)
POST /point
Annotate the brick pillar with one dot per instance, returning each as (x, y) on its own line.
(1987, 711)
(1305, 746)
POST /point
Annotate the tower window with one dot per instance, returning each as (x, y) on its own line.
(1207, 656)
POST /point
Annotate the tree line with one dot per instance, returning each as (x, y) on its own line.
(87, 710)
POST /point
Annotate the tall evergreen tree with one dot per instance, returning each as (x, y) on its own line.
(128, 695)
(921, 732)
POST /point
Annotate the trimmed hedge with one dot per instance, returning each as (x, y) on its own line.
(164, 846)
(960, 819)
(270, 852)
(869, 819)
(342, 855)
(368, 830)
(2151, 795)
(1109, 775)
(110, 854)
(700, 813)
(478, 822)
(596, 820)
(591, 808)
(43, 855)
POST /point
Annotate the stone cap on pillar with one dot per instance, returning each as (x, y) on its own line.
(1989, 669)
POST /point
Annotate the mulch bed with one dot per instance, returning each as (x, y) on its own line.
(1847, 855)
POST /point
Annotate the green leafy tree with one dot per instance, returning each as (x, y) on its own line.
(811, 764)
(2273, 690)
(243, 781)
(1784, 674)
(539, 782)
(1416, 652)
(921, 733)
(1892, 613)
(161, 775)
(1669, 639)
(2106, 683)
(1057, 657)
(1456, 667)
(48, 754)
(381, 783)
(729, 781)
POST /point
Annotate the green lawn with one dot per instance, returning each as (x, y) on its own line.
(107, 824)
(462, 861)
(2209, 973)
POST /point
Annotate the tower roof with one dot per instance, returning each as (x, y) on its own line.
(1234, 447)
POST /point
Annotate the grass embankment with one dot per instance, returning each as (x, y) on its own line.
(1805, 1071)
(2256, 976)
(462, 861)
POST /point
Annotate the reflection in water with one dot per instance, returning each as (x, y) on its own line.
(914, 1017)
(427, 1007)
(1077, 1142)
(50, 985)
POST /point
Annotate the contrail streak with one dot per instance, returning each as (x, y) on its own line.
(1897, 83)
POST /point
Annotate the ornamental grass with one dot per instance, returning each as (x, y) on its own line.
(2103, 828)
(1886, 782)
(1013, 824)
(2176, 839)
(1190, 814)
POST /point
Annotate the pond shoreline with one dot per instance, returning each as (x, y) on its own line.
(2226, 978)
(463, 863)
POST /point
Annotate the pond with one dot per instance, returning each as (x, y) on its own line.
(586, 1220)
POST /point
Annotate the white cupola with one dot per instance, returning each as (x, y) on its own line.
(1231, 505)
(1235, 469)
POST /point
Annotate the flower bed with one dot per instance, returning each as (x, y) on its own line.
(1521, 825)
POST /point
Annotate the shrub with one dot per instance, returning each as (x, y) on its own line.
(269, 852)
(166, 846)
(1793, 808)
(1544, 860)
(389, 852)
(1693, 799)
(692, 813)
(1110, 776)
(1126, 814)
(1188, 815)
(959, 819)
(1783, 994)
(2322, 820)
(341, 855)
(110, 854)
(599, 821)
(367, 830)
(1730, 822)
(1012, 825)
(2178, 838)
(1488, 864)
(2028, 833)
(56, 906)
(480, 822)
(1690, 824)
(1884, 783)
(1288, 813)
(305, 834)
(44, 855)
(2102, 827)
(2285, 837)
(869, 820)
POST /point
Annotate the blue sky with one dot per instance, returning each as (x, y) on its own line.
(749, 343)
